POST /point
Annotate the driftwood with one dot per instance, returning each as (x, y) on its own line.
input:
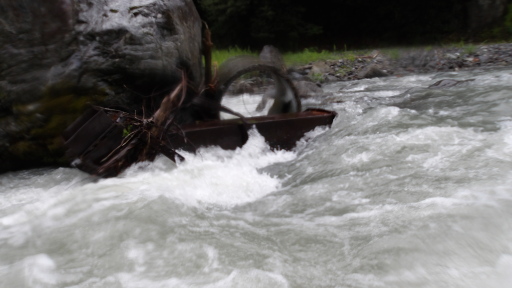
(145, 137)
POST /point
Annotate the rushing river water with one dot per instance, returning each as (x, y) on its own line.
(412, 187)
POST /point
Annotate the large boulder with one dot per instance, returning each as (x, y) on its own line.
(58, 56)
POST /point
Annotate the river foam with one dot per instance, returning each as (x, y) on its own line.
(411, 187)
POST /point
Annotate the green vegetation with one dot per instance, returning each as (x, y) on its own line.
(290, 58)
(219, 56)
(394, 53)
(127, 130)
(45, 120)
(317, 77)
(250, 23)
(470, 49)
(294, 25)
(502, 31)
(467, 48)
(499, 32)
(507, 23)
(308, 56)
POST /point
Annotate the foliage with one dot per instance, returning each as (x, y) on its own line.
(317, 77)
(501, 31)
(304, 57)
(254, 23)
(470, 49)
(308, 56)
(291, 58)
(467, 48)
(221, 55)
(293, 25)
(508, 21)
(42, 139)
(394, 54)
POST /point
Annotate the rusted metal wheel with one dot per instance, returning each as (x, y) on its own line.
(286, 98)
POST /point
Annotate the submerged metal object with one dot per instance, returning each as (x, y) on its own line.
(105, 141)
(280, 131)
(92, 139)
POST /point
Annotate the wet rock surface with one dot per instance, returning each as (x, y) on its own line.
(57, 56)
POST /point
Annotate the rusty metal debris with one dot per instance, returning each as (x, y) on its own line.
(99, 144)
(106, 141)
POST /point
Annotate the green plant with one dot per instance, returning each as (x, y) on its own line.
(508, 21)
(349, 55)
(308, 56)
(127, 130)
(470, 49)
(466, 48)
(343, 71)
(219, 56)
(317, 77)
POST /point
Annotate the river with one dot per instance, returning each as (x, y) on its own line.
(411, 187)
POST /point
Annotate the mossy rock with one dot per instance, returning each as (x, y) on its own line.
(41, 123)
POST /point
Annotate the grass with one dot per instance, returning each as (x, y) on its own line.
(311, 55)
(393, 53)
(308, 56)
(219, 56)
(467, 48)
(470, 49)
(290, 58)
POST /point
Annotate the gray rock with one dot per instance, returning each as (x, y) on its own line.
(372, 71)
(296, 75)
(307, 89)
(445, 83)
(56, 55)
(329, 78)
(452, 56)
(319, 67)
(270, 55)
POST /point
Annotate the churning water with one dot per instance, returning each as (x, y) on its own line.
(412, 187)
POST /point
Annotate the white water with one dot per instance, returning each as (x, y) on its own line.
(412, 187)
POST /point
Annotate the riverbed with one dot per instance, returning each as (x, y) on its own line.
(411, 187)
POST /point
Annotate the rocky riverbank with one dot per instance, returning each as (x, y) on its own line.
(399, 62)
